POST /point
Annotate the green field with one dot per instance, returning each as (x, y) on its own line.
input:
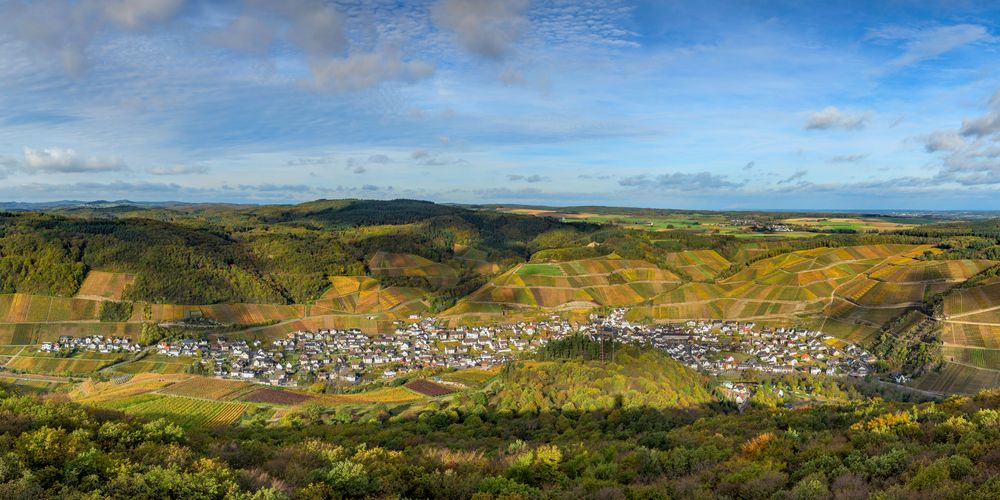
(187, 412)
(540, 269)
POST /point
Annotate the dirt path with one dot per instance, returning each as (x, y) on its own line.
(12, 358)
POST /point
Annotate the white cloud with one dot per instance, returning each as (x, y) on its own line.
(679, 181)
(361, 71)
(63, 30)
(135, 14)
(921, 45)
(68, 161)
(943, 140)
(849, 158)
(831, 118)
(178, 170)
(488, 28)
(529, 178)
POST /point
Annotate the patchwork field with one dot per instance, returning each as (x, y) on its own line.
(227, 314)
(854, 223)
(477, 259)
(363, 295)
(24, 308)
(580, 283)
(407, 265)
(700, 265)
(100, 285)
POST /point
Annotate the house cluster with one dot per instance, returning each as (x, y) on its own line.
(718, 347)
(93, 343)
(350, 355)
(714, 347)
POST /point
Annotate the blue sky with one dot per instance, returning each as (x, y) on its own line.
(712, 105)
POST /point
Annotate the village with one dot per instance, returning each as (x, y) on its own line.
(350, 356)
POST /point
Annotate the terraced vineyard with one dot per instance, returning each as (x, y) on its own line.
(580, 283)
(700, 265)
(363, 295)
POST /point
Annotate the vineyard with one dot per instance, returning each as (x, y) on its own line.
(470, 377)
(959, 334)
(187, 412)
(401, 264)
(700, 265)
(80, 364)
(144, 383)
(979, 358)
(156, 363)
(362, 295)
(267, 395)
(970, 300)
(580, 283)
(389, 395)
(24, 308)
(211, 388)
(955, 378)
(100, 285)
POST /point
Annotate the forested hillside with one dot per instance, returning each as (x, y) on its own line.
(220, 254)
(477, 444)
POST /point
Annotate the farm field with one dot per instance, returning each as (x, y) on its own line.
(187, 412)
(971, 300)
(24, 308)
(363, 295)
(227, 314)
(979, 358)
(575, 284)
(386, 395)
(700, 265)
(477, 259)
(959, 334)
(157, 363)
(100, 285)
(428, 388)
(470, 377)
(124, 386)
(856, 223)
(402, 264)
(266, 395)
(210, 388)
(80, 364)
(956, 378)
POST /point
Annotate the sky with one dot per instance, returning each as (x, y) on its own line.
(698, 105)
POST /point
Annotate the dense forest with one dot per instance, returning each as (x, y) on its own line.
(272, 254)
